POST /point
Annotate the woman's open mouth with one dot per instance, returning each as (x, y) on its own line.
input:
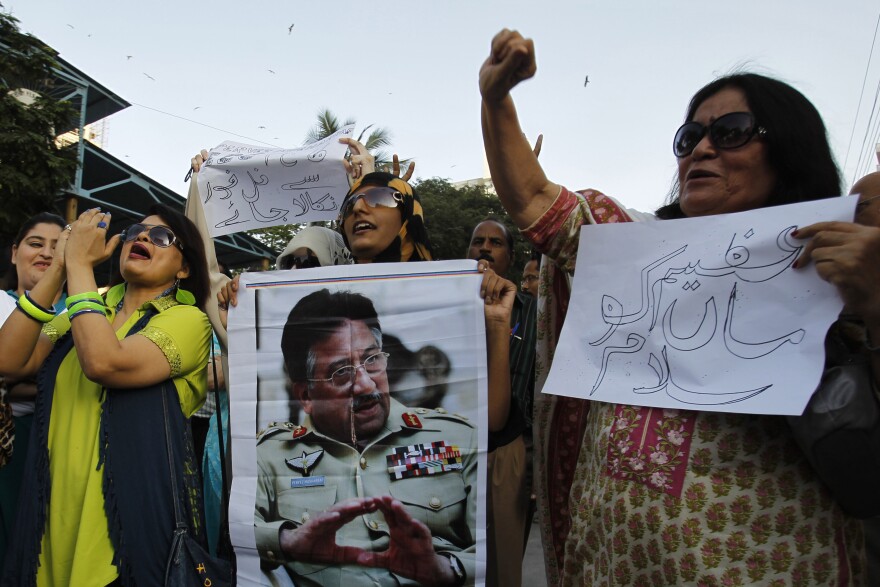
(138, 251)
(362, 226)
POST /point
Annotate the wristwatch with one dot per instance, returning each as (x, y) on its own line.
(456, 566)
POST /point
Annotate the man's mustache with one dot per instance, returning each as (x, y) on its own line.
(359, 400)
(486, 256)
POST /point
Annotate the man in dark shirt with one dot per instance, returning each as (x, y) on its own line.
(508, 493)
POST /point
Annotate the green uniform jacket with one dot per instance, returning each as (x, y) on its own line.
(445, 501)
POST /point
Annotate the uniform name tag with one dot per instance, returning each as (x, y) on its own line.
(307, 481)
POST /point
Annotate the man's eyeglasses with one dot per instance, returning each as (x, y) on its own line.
(730, 131)
(345, 376)
(161, 236)
(376, 196)
(528, 279)
(299, 261)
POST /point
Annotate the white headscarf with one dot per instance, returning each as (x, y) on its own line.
(327, 245)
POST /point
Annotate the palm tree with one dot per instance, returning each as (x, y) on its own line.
(328, 124)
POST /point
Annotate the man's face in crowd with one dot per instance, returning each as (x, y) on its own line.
(364, 401)
(530, 278)
(489, 242)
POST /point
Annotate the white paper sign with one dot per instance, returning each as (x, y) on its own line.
(433, 331)
(245, 187)
(701, 313)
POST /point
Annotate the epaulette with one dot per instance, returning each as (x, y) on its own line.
(411, 418)
(292, 431)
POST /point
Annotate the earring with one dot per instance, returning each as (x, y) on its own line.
(183, 296)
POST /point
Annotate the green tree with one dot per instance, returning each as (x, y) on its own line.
(451, 214)
(375, 142)
(34, 169)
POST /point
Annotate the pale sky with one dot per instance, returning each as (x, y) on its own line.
(413, 66)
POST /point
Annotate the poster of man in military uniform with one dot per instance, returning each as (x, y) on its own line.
(357, 401)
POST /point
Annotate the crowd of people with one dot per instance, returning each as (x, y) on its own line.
(102, 382)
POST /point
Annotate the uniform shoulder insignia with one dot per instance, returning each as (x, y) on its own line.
(411, 420)
(278, 428)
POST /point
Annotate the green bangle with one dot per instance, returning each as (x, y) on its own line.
(87, 304)
(20, 309)
(91, 296)
(85, 311)
(50, 310)
(34, 311)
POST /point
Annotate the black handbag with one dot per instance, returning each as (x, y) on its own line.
(189, 564)
(839, 430)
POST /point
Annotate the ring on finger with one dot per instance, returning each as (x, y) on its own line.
(68, 227)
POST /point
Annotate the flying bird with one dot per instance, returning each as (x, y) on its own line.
(149, 76)
(197, 107)
(70, 25)
(128, 57)
(270, 71)
(289, 29)
(261, 127)
(586, 81)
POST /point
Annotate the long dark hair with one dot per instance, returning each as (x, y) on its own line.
(198, 282)
(797, 143)
(41, 218)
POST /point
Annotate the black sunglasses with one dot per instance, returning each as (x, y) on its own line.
(161, 236)
(377, 196)
(730, 131)
(299, 261)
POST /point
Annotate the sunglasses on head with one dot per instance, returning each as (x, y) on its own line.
(299, 261)
(726, 132)
(161, 236)
(376, 196)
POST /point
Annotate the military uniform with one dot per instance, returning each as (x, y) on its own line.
(302, 473)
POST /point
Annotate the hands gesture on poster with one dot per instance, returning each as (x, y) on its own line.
(511, 60)
(315, 541)
(410, 553)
